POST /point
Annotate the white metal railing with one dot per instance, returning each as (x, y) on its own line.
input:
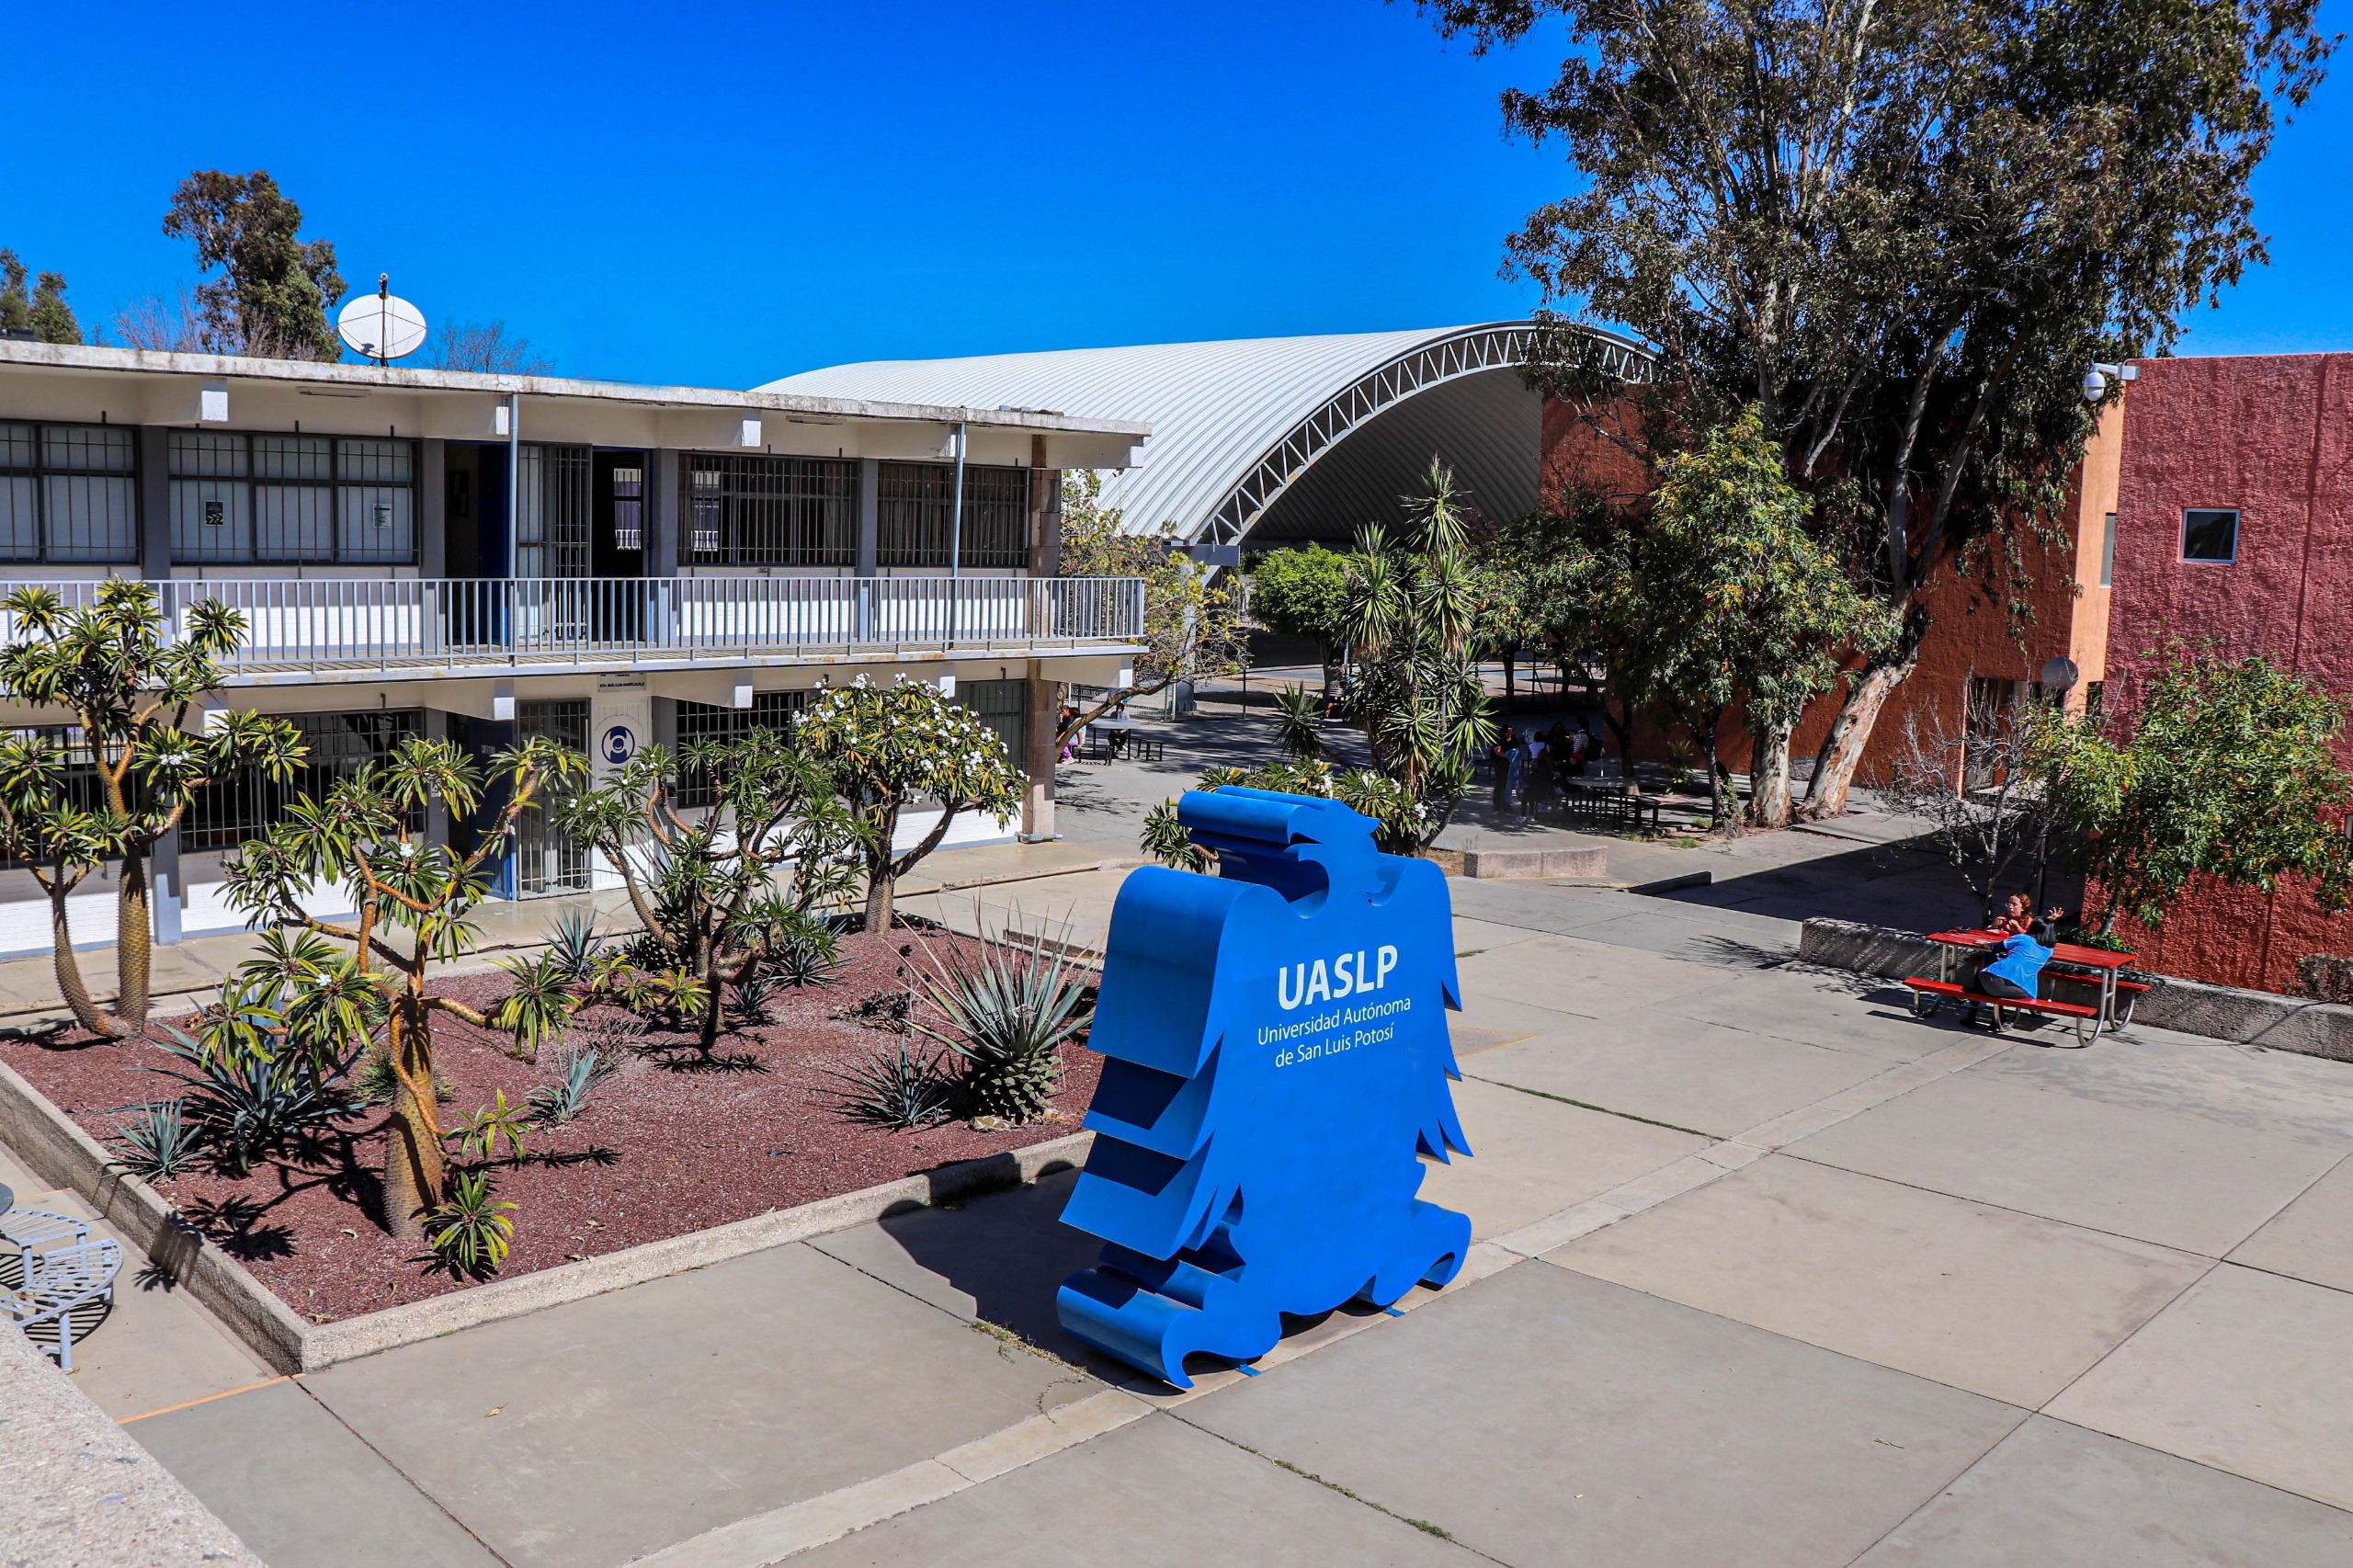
(412, 623)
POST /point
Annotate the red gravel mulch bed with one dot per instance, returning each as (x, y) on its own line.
(668, 1145)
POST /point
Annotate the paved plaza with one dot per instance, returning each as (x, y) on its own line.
(1767, 1272)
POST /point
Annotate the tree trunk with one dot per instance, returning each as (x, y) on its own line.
(414, 1163)
(70, 984)
(1842, 748)
(1508, 686)
(1624, 731)
(1768, 776)
(710, 1010)
(879, 886)
(133, 944)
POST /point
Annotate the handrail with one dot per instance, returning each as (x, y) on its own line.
(414, 623)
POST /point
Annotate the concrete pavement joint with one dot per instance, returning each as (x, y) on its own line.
(1587, 1105)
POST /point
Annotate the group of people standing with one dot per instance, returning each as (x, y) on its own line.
(1528, 769)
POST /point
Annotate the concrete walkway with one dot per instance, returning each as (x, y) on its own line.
(1768, 1272)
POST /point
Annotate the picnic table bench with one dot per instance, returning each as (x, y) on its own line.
(2070, 965)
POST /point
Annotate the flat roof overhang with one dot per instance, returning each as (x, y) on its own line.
(69, 383)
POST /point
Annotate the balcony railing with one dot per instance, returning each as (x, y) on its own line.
(411, 624)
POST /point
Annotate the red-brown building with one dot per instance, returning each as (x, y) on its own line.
(2235, 528)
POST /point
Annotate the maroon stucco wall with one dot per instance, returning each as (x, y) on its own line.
(2271, 435)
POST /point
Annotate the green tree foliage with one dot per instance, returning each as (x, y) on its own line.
(1575, 572)
(1745, 606)
(131, 687)
(275, 289)
(889, 746)
(1302, 592)
(1413, 614)
(2229, 770)
(719, 889)
(362, 838)
(1903, 230)
(43, 311)
(1192, 627)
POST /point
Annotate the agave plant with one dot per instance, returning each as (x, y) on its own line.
(470, 1232)
(903, 1088)
(574, 1072)
(1004, 1010)
(807, 954)
(254, 1105)
(573, 943)
(159, 1142)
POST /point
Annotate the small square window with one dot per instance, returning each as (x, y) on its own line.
(2210, 534)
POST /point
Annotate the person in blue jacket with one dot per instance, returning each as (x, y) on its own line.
(2019, 971)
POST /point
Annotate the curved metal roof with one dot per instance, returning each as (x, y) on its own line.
(1272, 436)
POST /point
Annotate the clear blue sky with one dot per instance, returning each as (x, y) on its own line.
(720, 194)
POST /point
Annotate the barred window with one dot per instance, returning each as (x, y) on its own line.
(224, 815)
(916, 513)
(68, 493)
(291, 500)
(754, 510)
(701, 721)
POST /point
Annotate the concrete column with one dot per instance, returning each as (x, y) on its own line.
(1045, 513)
(665, 723)
(1038, 798)
(667, 477)
(167, 895)
(154, 501)
(432, 509)
(870, 515)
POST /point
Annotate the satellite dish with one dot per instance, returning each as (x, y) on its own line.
(380, 326)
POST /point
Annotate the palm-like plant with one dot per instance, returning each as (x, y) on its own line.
(360, 836)
(131, 683)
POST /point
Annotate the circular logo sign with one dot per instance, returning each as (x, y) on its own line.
(620, 745)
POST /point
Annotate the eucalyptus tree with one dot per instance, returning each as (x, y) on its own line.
(364, 837)
(131, 686)
(1904, 230)
(1414, 608)
(892, 747)
(719, 888)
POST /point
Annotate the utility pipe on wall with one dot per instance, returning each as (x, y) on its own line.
(514, 476)
(956, 513)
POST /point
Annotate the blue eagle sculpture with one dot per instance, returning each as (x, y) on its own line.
(1277, 1057)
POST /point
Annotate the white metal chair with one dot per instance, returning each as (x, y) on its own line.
(60, 1285)
(28, 1230)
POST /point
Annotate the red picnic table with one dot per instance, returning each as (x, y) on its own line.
(2085, 966)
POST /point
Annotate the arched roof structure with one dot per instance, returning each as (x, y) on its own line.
(1261, 440)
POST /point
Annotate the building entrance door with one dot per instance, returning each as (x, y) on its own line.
(622, 502)
(548, 861)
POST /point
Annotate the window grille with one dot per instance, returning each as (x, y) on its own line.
(291, 500)
(546, 860)
(224, 815)
(701, 721)
(1004, 706)
(629, 508)
(916, 513)
(68, 493)
(756, 510)
(552, 511)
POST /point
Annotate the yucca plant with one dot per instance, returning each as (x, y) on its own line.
(902, 1088)
(1004, 1010)
(159, 1142)
(574, 1072)
(470, 1232)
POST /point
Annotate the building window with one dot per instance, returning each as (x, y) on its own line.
(547, 860)
(1004, 706)
(916, 513)
(291, 500)
(701, 721)
(751, 510)
(2209, 533)
(224, 815)
(68, 493)
(2108, 553)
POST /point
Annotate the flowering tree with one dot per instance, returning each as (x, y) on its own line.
(706, 885)
(889, 746)
(128, 688)
(361, 836)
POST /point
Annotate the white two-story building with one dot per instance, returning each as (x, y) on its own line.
(488, 558)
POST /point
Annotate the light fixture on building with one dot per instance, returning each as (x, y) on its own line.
(742, 693)
(2058, 677)
(212, 404)
(750, 434)
(947, 686)
(2095, 379)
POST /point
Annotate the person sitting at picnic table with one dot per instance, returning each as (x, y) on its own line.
(2017, 916)
(2019, 971)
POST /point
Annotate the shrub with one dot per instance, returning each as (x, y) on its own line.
(879, 1010)
(159, 1142)
(253, 1106)
(1004, 1011)
(478, 1135)
(470, 1232)
(900, 1088)
(574, 1072)
(808, 953)
(2325, 977)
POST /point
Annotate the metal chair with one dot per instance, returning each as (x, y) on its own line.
(28, 1230)
(59, 1284)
